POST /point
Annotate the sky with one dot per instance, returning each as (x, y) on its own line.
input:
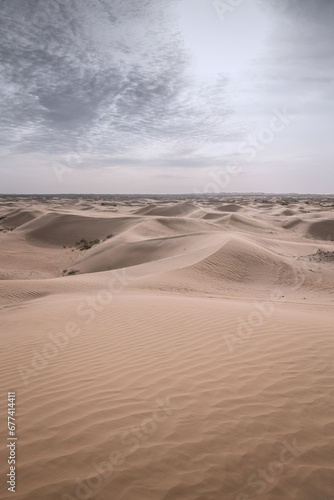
(166, 96)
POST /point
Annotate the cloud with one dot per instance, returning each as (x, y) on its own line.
(102, 77)
(111, 84)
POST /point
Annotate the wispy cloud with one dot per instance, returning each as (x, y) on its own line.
(106, 71)
(114, 82)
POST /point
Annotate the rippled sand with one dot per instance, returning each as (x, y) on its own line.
(188, 356)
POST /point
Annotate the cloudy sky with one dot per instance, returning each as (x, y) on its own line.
(166, 96)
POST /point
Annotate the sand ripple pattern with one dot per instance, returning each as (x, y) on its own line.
(230, 413)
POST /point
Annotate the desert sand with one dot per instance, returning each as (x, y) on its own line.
(168, 348)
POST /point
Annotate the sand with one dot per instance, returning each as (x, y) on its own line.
(186, 354)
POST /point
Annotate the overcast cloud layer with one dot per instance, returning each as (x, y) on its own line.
(166, 96)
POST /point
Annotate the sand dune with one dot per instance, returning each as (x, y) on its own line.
(242, 222)
(19, 217)
(241, 266)
(65, 229)
(169, 226)
(288, 212)
(322, 230)
(232, 207)
(175, 210)
(125, 255)
(186, 354)
(293, 223)
(212, 216)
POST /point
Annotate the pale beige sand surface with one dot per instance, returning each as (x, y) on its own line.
(189, 357)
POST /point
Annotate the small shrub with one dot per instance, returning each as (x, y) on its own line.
(322, 256)
(86, 245)
(81, 242)
(71, 273)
